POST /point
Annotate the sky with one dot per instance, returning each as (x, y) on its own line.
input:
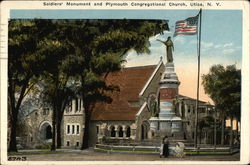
(221, 39)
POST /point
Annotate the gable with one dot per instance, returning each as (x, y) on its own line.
(125, 102)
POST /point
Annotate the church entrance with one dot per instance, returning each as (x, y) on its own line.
(144, 130)
(48, 134)
(45, 131)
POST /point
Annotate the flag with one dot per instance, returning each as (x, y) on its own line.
(187, 26)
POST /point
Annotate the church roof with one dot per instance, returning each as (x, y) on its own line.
(125, 102)
(192, 99)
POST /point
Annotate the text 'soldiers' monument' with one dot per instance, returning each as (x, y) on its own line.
(167, 122)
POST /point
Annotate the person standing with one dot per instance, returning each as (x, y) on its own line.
(165, 146)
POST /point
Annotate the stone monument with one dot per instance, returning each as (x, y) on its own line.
(167, 122)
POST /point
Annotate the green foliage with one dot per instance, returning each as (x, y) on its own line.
(223, 85)
(25, 64)
(26, 39)
(61, 53)
(43, 146)
(99, 48)
(206, 122)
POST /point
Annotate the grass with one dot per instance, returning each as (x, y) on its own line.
(126, 151)
(207, 153)
(35, 153)
(156, 152)
(44, 151)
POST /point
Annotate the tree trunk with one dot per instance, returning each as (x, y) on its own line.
(237, 128)
(58, 127)
(85, 139)
(205, 138)
(231, 132)
(222, 128)
(13, 144)
(58, 134)
(53, 145)
(14, 113)
(215, 131)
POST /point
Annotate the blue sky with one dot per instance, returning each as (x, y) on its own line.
(221, 38)
(221, 31)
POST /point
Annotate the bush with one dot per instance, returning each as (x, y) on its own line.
(43, 146)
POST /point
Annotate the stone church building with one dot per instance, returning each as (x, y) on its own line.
(135, 115)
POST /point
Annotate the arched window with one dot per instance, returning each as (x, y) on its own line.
(112, 131)
(128, 132)
(76, 105)
(70, 106)
(120, 132)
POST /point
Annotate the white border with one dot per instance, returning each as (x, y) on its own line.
(244, 5)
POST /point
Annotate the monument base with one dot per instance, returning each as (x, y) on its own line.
(172, 127)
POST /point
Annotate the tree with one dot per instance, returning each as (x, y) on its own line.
(57, 94)
(55, 52)
(223, 85)
(25, 65)
(205, 124)
(100, 46)
(56, 89)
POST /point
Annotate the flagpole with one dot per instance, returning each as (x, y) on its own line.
(198, 84)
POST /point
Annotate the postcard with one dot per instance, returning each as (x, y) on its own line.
(124, 82)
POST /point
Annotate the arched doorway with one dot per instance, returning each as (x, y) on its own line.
(45, 131)
(144, 130)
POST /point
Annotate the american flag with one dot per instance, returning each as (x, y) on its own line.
(187, 26)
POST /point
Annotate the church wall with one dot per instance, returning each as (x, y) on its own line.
(73, 131)
(188, 107)
(73, 125)
(34, 122)
(188, 118)
(143, 127)
(142, 124)
(101, 131)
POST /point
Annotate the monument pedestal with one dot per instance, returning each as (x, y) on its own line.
(167, 123)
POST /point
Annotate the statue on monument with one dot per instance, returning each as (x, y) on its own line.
(169, 46)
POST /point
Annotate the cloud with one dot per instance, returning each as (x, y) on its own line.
(157, 50)
(228, 51)
(163, 36)
(228, 44)
(217, 46)
(134, 59)
(180, 39)
(193, 42)
(238, 47)
(206, 44)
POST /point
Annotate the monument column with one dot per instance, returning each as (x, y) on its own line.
(167, 122)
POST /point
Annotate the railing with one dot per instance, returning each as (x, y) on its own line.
(130, 148)
(209, 150)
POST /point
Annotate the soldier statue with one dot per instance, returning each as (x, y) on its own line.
(169, 46)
